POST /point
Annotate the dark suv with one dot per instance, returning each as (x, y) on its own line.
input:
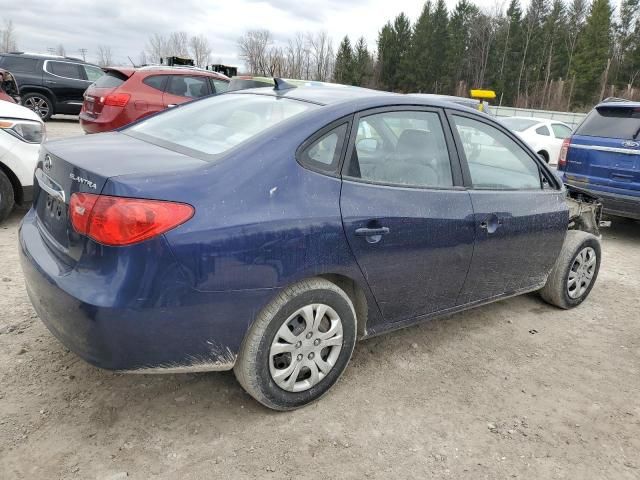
(50, 84)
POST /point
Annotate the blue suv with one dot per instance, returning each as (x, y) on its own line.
(603, 156)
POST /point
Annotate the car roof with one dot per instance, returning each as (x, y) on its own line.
(45, 56)
(536, 119)
(175, 70)
(618, 104)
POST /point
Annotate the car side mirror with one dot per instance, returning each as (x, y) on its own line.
(367, 145)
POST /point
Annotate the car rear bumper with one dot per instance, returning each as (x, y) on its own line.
(179, 329)
(617, 204)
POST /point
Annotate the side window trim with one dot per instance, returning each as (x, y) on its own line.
(454, 159)
(552, 180)
(335, 172)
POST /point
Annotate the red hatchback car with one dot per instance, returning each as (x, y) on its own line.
(126, 94)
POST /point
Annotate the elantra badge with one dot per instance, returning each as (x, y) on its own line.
(82, 181)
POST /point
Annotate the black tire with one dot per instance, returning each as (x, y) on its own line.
(39, 103)
(556, 290)
(252, 368)
(7, 196)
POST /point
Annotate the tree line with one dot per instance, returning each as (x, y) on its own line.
(553, 54)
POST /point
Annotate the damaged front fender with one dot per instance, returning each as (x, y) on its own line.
(585, 210)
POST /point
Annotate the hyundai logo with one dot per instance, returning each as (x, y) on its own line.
(47, 162)
(630, 144)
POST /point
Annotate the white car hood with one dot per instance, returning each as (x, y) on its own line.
(13, 110)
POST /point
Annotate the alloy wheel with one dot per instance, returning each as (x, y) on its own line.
(39, 105)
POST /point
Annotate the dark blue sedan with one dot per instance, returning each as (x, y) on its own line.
(265, 230)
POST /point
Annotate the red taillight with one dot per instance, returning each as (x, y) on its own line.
(562, 158)
(117, 99)
(121, 221)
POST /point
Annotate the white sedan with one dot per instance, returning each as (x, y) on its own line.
(21, 133)
(544, 136)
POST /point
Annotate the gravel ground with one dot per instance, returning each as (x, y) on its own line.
(516, 389)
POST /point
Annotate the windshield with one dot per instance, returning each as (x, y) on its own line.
(612, 122)
(518, 124)
(210, 127)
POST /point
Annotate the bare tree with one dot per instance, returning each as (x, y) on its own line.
(142, 58)
(8, 42)
(254, 46)
(321, 52)
(104, 56)
(157, 47)
(178, 44)
(296, 55)
(200, 50)
(60, 50)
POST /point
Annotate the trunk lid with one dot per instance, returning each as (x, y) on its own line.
(605, 150)
(84, 165)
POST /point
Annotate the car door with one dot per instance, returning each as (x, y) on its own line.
(68, 81)
(183, 88)
(520, 215)
(406, 215)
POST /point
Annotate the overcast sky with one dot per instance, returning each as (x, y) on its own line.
(126, 25)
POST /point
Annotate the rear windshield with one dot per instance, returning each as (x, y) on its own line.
(518, 124)
(612, 122)
(208, 128)
(110, 79)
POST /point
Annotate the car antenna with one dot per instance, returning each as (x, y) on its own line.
(281, 84)
(134, 65)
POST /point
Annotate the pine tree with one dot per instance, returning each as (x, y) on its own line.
(394, 43)
(438, 45)
(458, 61)
(362, 64)
(421, 55)
(510, 44)
(343, 68)
(592, 54)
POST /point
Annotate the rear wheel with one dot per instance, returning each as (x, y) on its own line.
(39, 103)
(575, 271)
(7, 198)
(298, 346)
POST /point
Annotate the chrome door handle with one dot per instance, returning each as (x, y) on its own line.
(370, 232)
(171, 105)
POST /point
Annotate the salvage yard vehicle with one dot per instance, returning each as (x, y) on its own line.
(8, 87)
(265, 230)
(21, 133)
(543, 135)
(126, 94)
(50, 84)
(603, 157)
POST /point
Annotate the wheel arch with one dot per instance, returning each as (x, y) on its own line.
(357, 296)
(545, 154)
(18, 194)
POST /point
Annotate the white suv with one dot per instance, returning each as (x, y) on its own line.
(21, 133)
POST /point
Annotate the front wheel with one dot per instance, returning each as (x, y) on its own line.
(574, 272)
(298, 346)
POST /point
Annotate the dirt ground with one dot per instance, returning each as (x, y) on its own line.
(517, 389)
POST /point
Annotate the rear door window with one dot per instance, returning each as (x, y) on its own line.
(613, 122)
(156, 81)
(404, 148)
(19, 64)
(187, 86)
(66, 70)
